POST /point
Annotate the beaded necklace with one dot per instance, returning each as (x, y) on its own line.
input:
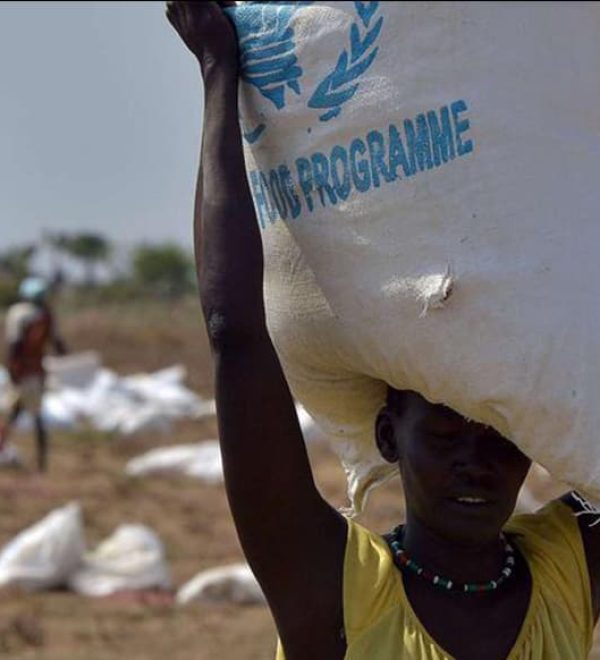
(405, 563)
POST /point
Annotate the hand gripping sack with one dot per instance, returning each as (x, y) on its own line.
(426, 180)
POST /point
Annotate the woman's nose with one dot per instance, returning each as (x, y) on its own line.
(472, 454)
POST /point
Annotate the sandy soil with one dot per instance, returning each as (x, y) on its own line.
(192, 519)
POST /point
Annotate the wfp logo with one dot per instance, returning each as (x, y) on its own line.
(268, 59)
(267, 49)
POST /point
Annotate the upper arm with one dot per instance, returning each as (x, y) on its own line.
(293, 539)
(590, 536)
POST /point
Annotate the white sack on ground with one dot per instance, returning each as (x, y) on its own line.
(427, 223)
(132, 558)
(201, 460)
(10, 455)
(79, 394)
(226, 584)
(44, 555)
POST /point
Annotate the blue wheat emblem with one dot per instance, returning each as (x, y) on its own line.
(267, 48)
(341, 84)
(268, 58)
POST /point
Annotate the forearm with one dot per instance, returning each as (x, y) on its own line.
(265, 460)
(227, 238)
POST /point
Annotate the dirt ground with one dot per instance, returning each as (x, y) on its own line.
(192, 519)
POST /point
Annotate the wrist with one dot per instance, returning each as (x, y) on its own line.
(224, 70)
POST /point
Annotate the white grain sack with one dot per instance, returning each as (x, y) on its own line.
(426, 179)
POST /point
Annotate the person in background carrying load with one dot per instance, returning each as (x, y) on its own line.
(30, 329)
(461, 577)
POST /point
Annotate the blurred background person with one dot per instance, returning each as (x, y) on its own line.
(30, 330)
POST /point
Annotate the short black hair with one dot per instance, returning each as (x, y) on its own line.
(397, 400)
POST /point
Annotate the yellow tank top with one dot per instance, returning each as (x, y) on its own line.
(380, 623)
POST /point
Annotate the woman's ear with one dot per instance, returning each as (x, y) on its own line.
(385, 435)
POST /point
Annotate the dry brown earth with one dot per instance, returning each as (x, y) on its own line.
(191, 518)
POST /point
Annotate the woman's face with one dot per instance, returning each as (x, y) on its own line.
(461, 479)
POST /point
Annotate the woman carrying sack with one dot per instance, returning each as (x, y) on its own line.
(459, 577)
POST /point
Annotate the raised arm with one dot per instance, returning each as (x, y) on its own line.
(293, 540)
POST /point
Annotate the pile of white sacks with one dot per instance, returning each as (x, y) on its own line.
(82, 392)
(202, 460)
(52, 554)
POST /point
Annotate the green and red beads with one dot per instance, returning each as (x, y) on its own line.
(405, 563)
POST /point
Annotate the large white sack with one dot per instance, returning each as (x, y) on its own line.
(44, 555)
(132, 558)
(226, 584)
(426, 179)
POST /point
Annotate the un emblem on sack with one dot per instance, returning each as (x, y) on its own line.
(268, 58)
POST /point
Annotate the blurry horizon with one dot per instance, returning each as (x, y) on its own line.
(100, 116)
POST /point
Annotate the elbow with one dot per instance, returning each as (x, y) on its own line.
(227, 332)
(217, 326)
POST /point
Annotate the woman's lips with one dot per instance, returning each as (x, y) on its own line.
(469, 499)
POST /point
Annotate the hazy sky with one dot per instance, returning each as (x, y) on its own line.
(100, 108)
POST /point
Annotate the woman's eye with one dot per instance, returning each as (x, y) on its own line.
(445, 436)
(444, 430)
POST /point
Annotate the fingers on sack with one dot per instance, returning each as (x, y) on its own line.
(181, 14)
(204, 8)
(172, 10)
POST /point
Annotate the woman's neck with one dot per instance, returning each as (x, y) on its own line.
(459, 560)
